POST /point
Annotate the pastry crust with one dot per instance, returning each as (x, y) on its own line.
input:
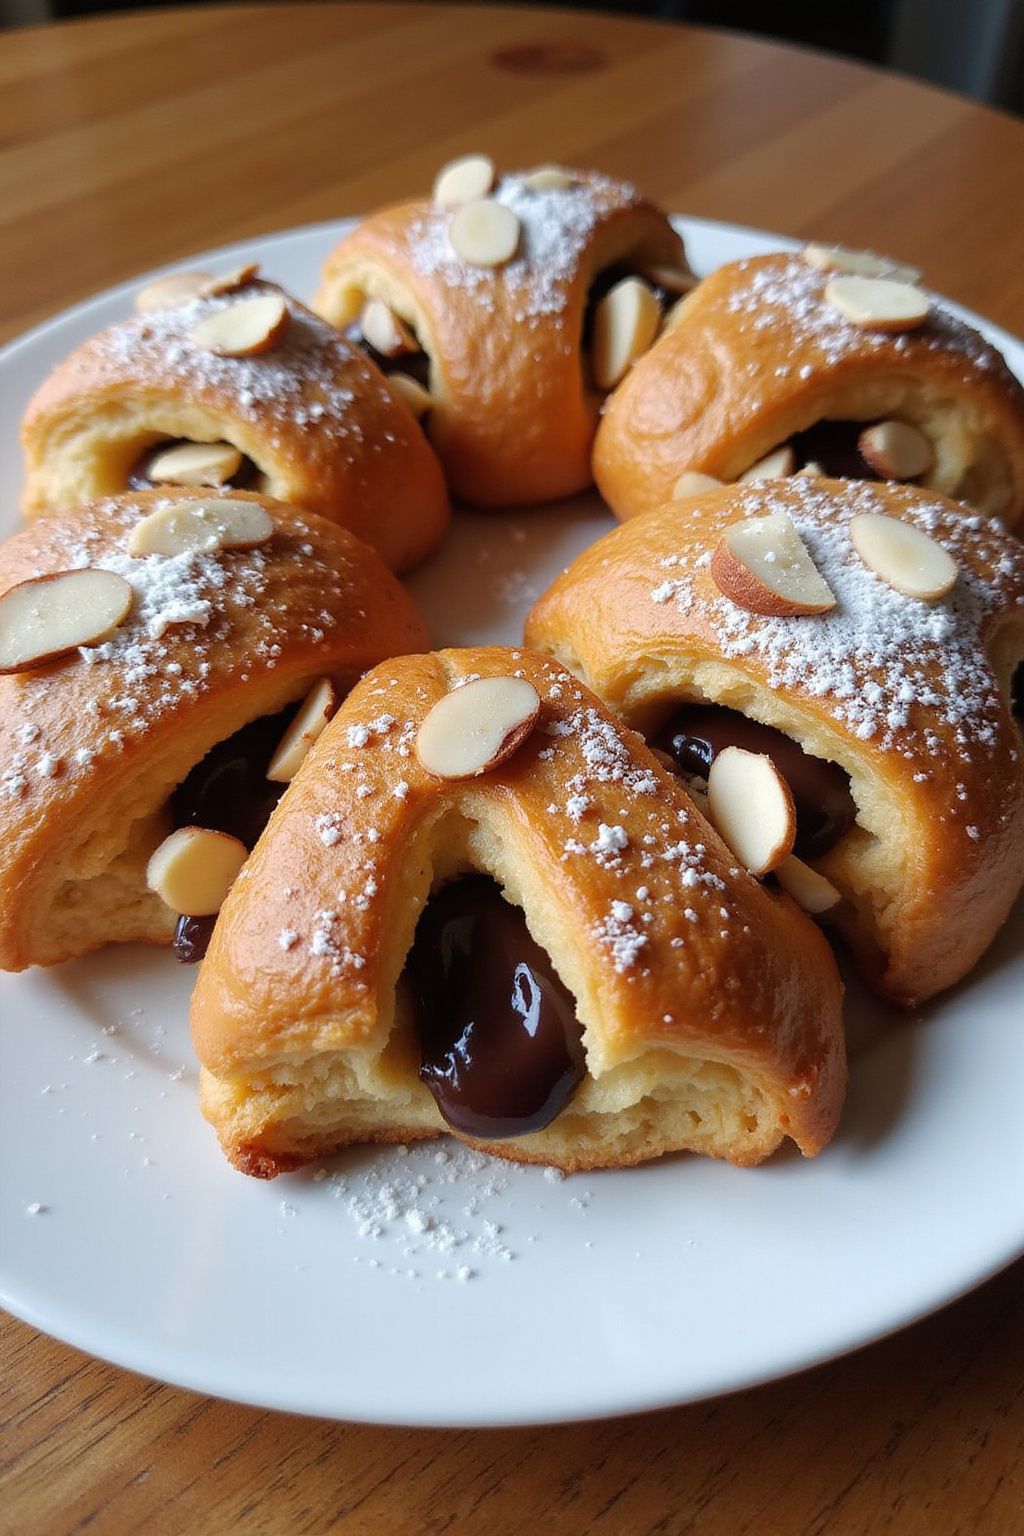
(313, 414)
(513, 415)
(92, 746)
(911, 699)
(756, 353)
(711, 1006)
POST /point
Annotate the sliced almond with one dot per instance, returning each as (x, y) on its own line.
(806, 886)
(228, 282)
(174, 288)
(463, 180)
(195, 464)
(626, 321)
(201, 526)
(839, 258)
(319, 706)
(692, 483)
(548, 178)
(774, 466)
(476, 727)
(484, 233)
(677, 280)
(878, 303)
(244, 329)
(194, 868)
(812, 470)
(762, 565)
(751, 805)
(904, 556)
(418, 399)
(49, 616)
(895, 450)
(384, 331)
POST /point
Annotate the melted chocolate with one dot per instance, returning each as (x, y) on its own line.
(833, 445)
(821, 790)
(415, 364)
(138, 476)
(228, 791)
(606, 280)
(500, 1045)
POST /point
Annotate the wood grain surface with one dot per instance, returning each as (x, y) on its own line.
(135, 140)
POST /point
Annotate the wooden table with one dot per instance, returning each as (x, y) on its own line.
(135, 140)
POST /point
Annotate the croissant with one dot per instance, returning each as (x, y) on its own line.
(153, 650)
(761, 372)
(242, 387)
(490, 313)
(484, 906)
(865, 639)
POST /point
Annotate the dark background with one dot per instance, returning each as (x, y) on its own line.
(972, 46)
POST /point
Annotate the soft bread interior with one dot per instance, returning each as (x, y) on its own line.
(633, 1103)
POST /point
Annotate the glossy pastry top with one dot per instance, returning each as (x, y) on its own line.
(514, 409)
(309, 411)
(663, 941)
(758, 353)
(211, 641)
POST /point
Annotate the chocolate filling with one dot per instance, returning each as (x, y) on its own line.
(501, 1048)
(833, 446)
(228, 791)
(825, 807)
(415, 364)
(606, 280)
(244, 478)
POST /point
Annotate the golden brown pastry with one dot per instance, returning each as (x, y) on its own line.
(99, 746)
(654, 997)
(495, 305)
(244, 388)
(891, 715)
(762, 370)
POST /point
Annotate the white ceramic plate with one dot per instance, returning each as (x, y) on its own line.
(435, 1287)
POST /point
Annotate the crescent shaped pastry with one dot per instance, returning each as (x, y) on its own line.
(759, 360)
(302, 416)
(504, 350)
(674, 1001)
(98, 743)
(891, 715)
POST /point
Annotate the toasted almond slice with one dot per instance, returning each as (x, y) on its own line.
(677, 280)
(484, 233)
(692, 483)
(776, 465)
(49, 616)
(384, 331)
(895, 450)
(171, 289)
(244, 329)
(202, 526)
(228, 282)
(878, 303)
(751, 805)
(194, 868)
(418, 399)
(474, 728)
(195, 464)
(812, 470)
(319, 706)
(806, 886)
(762, 565)
(904, 556)
(626, 321)
(839, 258)
(463, 180)
(548, 178)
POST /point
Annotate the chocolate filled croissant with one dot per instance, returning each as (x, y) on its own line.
(242, 388)
(508, 316)
(145, 695)
(778, 620)
(762, 371)
(485, 906)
